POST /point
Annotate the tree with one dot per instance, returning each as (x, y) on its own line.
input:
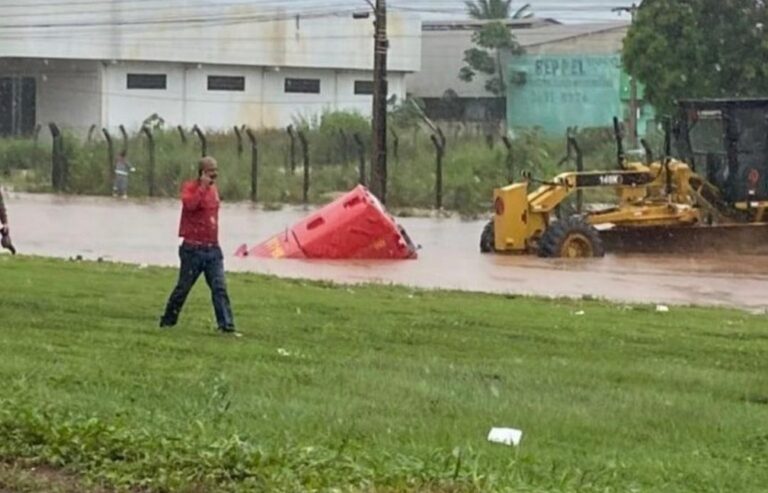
(497, 9)
(698, 48)
(491, 40)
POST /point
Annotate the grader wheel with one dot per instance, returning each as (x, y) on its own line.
(488, 239)
(571, 238)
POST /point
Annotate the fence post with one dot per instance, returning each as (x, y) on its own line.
(254, 165)
(239, 141)
(182, 134)
(574, 144)
(510, 159)
(344, 146)
(59, 165)
(125, 138)
(648, 151)
(439, 141)
(292, 135)
(395, 146)
(305, 153)
(618, 131)
(110, 152)
(91, 129)
(203, 140)
(489, 140)
(568, 150)
(361, 159)
(55, 172)
(151, 171)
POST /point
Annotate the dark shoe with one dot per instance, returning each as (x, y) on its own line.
(166, 325)
(230, 332)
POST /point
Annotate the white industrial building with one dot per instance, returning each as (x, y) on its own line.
(116, 62)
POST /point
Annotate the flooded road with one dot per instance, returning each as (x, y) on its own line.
(145, 232)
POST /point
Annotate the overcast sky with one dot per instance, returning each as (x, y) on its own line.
(564, 10)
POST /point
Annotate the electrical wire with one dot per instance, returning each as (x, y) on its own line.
(587, 11)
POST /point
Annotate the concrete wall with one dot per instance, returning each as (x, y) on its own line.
(442, 59)
(131, 106)
(443, 53)
(264, 102)
(68, 91)
(245, 34)
(578, 81)
(555, 92)
(106, 40)
(221, 109)
(79, 93)
(606, 42)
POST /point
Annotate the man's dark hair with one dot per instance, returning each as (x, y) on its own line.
(204, 163)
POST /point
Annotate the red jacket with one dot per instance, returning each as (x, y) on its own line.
(199, 214)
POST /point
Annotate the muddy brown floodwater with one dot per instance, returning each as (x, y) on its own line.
(145, 232)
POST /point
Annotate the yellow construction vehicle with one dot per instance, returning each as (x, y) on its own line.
(659, 205)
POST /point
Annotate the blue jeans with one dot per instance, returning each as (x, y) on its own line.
(196, 261)
(121, 185)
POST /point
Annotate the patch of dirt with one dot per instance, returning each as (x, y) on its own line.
(20, 477)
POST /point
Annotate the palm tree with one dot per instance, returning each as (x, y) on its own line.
(497, 9)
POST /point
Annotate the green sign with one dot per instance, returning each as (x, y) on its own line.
(556, 92)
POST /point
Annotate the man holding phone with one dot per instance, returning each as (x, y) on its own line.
(200, 252)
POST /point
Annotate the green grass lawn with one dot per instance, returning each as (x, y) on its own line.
(372, 388)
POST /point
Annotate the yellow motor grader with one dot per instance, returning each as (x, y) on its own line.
(714, 195)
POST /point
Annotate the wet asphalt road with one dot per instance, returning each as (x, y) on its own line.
(145, 232)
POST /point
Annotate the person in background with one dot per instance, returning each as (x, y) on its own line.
(5, 231)
(200, 252)
(122, 169)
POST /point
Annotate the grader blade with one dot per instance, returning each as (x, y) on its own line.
(732, 238)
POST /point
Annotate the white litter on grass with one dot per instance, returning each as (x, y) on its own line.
(283, 352)
(505, 436)
(662, 308)
(580, 313)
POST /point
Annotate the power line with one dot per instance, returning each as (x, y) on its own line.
(202, 8)
(189, 21)
(563, 9)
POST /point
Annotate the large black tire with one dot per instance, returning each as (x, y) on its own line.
(488, 239)
(572, 237)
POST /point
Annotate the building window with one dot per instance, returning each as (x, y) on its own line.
(364, 87)
(18, 104)
(146, 81)
(225, 83)
(307, 86)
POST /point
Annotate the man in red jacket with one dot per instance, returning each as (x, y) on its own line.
(199, 251)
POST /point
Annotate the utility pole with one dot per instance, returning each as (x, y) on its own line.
(633, 102)
(379, 147)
